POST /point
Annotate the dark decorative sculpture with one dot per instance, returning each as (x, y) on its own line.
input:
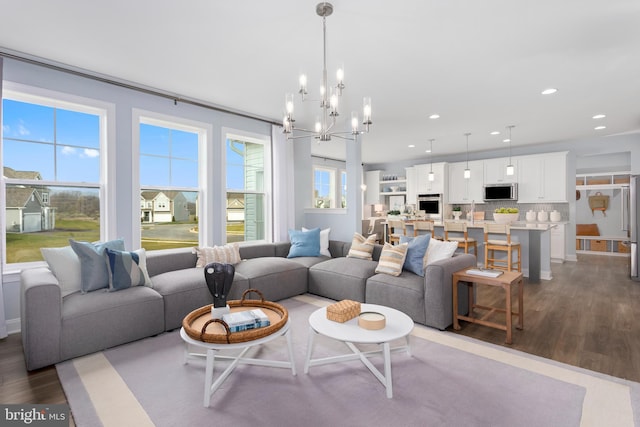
(219, 278)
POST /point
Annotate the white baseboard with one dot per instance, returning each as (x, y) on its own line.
(13, 326)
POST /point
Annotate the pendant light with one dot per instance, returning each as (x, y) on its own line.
(467, 171)
(510, 168)
(431, 175)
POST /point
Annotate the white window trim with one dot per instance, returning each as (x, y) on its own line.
(205, 132)
(335, 184)
(256, 138)
(106, 113)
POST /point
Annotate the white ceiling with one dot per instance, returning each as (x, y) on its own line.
(481, 65)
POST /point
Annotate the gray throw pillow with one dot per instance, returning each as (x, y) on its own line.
(93, 265)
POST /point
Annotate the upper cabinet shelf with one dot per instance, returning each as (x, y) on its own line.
(602, 181)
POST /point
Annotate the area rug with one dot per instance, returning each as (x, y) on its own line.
(448, 380)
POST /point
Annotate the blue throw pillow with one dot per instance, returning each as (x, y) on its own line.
(93, 267)
(414, 262)
(127, 269)
(304, 243)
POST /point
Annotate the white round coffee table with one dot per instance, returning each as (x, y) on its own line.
(212, 350)
(398, 325)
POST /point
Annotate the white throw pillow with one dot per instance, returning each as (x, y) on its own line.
(65, 265)
(324, 241)
(438, 250)
(227, 254)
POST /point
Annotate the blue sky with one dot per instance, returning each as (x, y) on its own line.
(168, 157)
(28, 131)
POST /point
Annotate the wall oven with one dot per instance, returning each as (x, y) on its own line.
(431, 205)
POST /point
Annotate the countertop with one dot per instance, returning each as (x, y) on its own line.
(518, 225)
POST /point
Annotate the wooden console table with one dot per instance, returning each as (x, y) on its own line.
(505, 281)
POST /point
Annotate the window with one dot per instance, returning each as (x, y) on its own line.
(247, 182)
(343, 189)
(168, 184)
(324, 183)
(52, 150)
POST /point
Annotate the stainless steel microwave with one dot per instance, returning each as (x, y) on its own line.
(500, 192)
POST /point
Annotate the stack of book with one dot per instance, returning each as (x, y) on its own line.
(245, 320)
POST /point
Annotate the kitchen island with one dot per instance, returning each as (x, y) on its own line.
(534, 238)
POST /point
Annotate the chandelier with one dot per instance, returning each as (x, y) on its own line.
(325, 125)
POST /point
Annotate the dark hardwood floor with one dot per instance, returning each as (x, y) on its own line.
(587, 316)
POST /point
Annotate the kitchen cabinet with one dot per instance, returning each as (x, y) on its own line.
(558, 243)
(542, 178)
(462, 190)
(495, 171)
(438, 185)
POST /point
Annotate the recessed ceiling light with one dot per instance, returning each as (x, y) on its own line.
(412, 146)
(434, 116)
(600, 127)
(549, 91)
(427, 150)
(599, 116)
(506, 140)
(495, 132)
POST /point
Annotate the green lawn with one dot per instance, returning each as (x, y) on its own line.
(25, 247)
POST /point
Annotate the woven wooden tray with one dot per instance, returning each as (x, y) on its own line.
(200, 326)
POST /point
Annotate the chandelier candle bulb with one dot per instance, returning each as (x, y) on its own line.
(354, 122)
(303, 84)
(288, 102)
(366, 110)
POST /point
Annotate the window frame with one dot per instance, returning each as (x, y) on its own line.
(106, 119)
(204, 132)
(333, 172)
(267, 190)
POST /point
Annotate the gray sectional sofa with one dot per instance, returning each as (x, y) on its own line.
(56, 328)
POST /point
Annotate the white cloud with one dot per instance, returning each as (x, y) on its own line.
(22, 129)
(89, 152)
(68, 150)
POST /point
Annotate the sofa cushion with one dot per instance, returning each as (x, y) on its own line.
(277, 278)
(93, 266)
(98, 320)
(309, 261)
(127, 269)
(341, 278)
(392, 259)
(186, 290)
(404, 292)
(257, 250)
(361, 247)
(65, 265)
(304, 243)
(164, 260)
(416, 252)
